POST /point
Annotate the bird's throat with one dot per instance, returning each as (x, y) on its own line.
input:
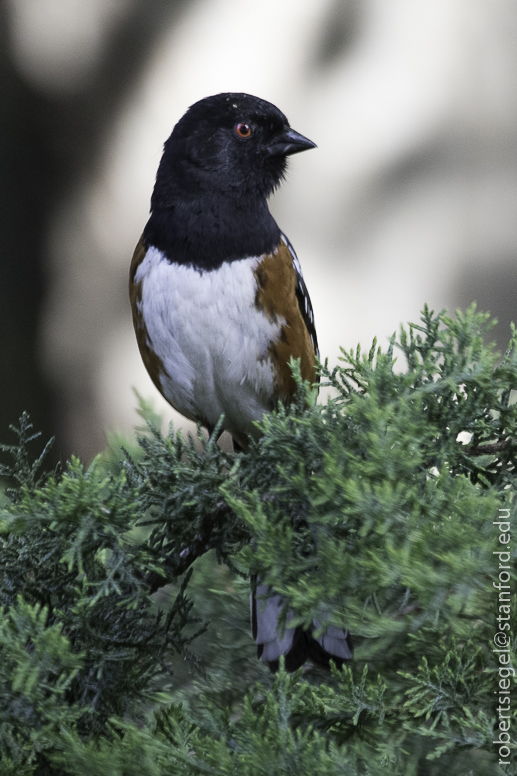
(205, 234)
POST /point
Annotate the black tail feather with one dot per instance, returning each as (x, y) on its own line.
(295, 644)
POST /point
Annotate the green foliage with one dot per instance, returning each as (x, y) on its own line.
(66, 547)
(367, 512)
(38, 669)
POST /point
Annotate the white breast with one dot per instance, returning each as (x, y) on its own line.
(211, 339)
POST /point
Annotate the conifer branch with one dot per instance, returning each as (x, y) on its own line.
(488, 449)
(179, 563)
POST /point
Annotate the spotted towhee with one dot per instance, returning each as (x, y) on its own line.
(219, 301)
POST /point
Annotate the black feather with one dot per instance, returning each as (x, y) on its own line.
(209, 203)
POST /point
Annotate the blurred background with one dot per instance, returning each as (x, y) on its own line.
(410, 197)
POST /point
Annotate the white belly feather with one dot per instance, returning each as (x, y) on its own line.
(211, 339)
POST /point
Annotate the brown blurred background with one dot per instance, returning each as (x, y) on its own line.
(410, 197)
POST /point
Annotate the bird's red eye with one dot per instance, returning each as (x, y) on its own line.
(243, 130)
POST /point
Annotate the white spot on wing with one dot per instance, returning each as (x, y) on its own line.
(303, 288)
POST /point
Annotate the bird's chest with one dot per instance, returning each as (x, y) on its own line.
(210, 340)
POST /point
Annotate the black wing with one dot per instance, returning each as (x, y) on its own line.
(304, 300)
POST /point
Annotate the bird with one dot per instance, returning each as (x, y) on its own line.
(220, 305)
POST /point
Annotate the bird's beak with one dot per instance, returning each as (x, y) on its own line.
(289, 142)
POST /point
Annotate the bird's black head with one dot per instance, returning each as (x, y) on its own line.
(223, 159)
(230, 145)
